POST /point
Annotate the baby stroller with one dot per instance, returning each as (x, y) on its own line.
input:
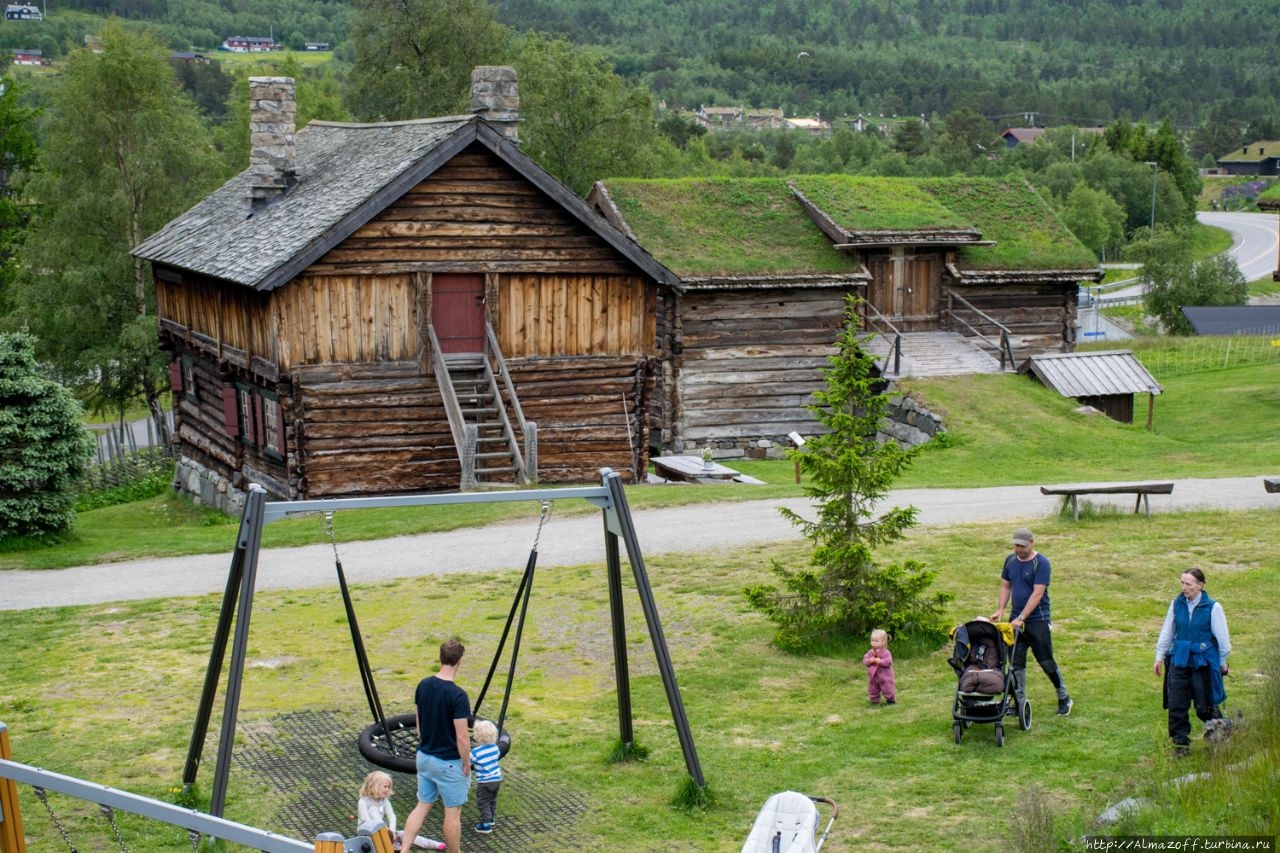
(982, 659)
(788, 823)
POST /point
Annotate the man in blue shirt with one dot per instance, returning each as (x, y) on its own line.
(443, 758)
(1193, 644)
(1025, 579)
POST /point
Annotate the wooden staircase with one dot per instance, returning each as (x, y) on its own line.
(482, 406)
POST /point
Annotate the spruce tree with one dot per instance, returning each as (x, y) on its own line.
(844, 594)
(43, 445)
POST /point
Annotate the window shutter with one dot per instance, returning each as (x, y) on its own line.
(175, 375)
(230, 417)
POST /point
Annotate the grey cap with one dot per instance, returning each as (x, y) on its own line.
(1022, 536)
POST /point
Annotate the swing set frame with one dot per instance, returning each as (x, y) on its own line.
(237, 608)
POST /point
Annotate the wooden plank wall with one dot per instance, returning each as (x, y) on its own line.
(750, 362)
(554, 315)
(237, 317)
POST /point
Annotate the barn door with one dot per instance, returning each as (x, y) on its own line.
(457, 312)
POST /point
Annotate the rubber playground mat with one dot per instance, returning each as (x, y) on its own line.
(311, 761)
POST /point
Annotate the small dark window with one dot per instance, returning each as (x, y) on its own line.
(246, 414)
(189, 378)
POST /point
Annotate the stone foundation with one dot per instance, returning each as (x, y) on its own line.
(207, 488)
(907, 422)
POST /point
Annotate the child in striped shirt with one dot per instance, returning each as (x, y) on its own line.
(485, 756)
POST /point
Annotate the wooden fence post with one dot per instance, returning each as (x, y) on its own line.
(11, 837)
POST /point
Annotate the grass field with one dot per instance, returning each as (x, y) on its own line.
(108, 692)
(762, 720)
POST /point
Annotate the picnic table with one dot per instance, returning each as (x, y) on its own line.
(691, 469)
(1142, 490)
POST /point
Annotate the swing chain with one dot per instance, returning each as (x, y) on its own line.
(326, 521)
(542, 519)
(110, 815)
(195, 840)
(57, 824)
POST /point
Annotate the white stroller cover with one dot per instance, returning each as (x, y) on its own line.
(790, 820)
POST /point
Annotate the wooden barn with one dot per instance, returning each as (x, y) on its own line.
(765, 264)
(401, 307)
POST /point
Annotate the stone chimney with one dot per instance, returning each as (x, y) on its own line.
(495, 97)
(272, 158)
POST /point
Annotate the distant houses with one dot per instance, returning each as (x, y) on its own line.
(22, 12)
(250, 44)
(23, 56)
(1256, 158)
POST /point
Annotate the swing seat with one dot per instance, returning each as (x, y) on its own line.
(395, 747)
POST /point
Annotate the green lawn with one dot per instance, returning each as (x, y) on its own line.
(762, 721)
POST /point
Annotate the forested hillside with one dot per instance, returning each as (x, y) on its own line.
(1070, 61)
(1047, 62)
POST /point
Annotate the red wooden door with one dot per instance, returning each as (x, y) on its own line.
(457, 312)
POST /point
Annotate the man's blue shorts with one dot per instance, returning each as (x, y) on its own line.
(443, 779)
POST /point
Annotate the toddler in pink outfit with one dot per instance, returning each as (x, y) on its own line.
(879, 664)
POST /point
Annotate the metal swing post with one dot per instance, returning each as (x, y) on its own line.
(622, 527)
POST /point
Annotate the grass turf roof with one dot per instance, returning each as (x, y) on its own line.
(866, 204)
(1028, 233)
(726, 227)
(756, 227)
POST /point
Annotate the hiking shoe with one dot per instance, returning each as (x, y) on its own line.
(891, 701)
(1064, 706)
(484, 828)
(1181, 750)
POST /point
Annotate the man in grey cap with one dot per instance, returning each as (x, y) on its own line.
(1025, 579)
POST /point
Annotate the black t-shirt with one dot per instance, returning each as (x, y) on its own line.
(439, 703)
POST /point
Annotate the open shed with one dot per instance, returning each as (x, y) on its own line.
(1105, 380)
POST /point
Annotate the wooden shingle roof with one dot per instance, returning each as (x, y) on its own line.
(1092, 374)
(345, 175)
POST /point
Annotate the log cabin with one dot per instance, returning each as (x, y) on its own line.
(765, 265)
(401, 307)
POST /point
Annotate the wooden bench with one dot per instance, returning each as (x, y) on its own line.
(690, 469)
(1271, 484)
(1142, 490)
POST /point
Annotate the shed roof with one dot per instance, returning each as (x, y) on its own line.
(1233, 319)
(345, 175)
(1092, 374)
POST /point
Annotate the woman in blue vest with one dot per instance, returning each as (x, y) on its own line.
(1193, 647)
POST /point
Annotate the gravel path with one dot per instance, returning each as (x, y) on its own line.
(566, 541)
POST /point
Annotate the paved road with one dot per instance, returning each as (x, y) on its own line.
(566, 541)
(1254, 238)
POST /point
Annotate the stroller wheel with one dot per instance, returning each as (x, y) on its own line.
(999, 734)
(957, 731)
(1024, 715)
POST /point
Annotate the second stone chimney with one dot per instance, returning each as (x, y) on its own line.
(272, 158)
(495, 96)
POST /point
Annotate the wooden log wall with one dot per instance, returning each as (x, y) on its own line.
(590, 414)
(200, 426)
(373, 429)
(381, 428)
(751, 361)
(1039, 316)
